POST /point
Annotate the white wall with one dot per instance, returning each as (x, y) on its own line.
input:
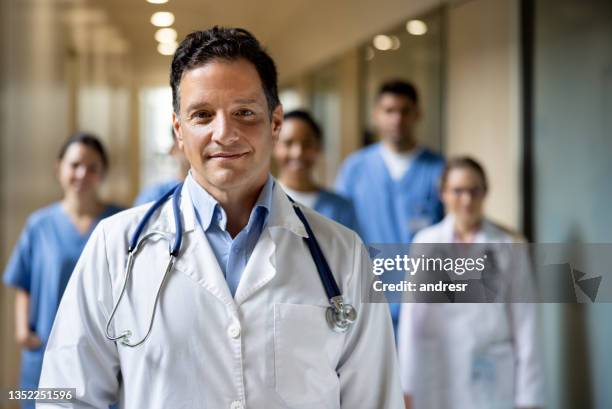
(483, 98)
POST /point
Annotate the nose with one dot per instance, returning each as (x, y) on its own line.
(81, 171)
(222, 130)
(395, 118)
(296, 150)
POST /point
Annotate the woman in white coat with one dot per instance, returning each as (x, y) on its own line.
(468, 356)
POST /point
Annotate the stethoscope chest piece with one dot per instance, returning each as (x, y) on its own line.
(340, 316)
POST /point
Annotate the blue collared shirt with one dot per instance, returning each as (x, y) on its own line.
(232, 254)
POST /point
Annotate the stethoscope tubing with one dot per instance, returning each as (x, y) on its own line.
(339, 315)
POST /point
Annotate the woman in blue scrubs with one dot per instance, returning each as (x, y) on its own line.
(50, 245)
(295, 153)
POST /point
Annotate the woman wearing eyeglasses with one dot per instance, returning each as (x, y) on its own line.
(470, 355)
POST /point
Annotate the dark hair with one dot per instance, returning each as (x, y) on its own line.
(464, 162)
(88, 140)
(201, 47)
(399, 87)
(306, 117)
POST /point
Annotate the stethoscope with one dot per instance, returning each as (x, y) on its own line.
(339, 315)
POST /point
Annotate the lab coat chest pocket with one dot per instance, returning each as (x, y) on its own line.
(306, 354)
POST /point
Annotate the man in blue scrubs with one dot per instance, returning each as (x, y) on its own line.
(394, 183)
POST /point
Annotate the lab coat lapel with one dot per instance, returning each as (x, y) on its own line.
(447, 229)
(261, 267)
(196, 258)
(483, 235)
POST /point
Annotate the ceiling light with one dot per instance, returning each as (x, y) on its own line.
(166, 35)
(416, 27)
(162, 19)
(157, 1)
(395, 43)
(166, 48)
(382, 42)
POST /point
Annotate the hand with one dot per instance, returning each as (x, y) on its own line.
(28, 340)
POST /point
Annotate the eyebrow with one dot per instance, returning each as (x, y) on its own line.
(198, 105)
(246, 101)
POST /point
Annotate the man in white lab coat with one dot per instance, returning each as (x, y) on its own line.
(240, 322)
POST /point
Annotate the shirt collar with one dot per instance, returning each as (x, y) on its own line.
(208, 210)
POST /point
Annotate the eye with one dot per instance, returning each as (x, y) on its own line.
(93, 168)
(201, 115)
(245, 113)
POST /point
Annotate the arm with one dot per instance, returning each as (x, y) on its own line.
(405, 347)
(78, 355)
(368, 370)
(524, 321)
(529, 373)
(24, 336)
(18, 274)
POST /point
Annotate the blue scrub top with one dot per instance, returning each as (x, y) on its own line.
(388, 210)
(154, 192)
(41, 264)
(337, 208)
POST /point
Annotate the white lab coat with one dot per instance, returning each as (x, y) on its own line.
(470, 356)
(269, 347)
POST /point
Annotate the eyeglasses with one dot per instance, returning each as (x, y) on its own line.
(472, 192)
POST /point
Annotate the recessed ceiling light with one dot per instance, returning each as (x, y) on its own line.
(382, 42)
(395, 43)
(416, 27)
(166, 35)
(157, 1)
(162, 19)
(166, 48)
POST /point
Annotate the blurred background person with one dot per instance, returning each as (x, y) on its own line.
(296, 153)
(50, 245)
(154, 192)
(476, 355)
(393, 183)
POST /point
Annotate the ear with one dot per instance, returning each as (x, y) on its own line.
(276, 122)
(176, 128)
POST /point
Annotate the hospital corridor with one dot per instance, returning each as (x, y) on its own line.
(362, 204)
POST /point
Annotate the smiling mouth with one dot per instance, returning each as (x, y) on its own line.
(227, 156)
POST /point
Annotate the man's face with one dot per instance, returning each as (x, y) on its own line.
(224, 126)
(395, 117)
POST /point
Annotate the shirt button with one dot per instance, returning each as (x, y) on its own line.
(234, 332)
(236, 405)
